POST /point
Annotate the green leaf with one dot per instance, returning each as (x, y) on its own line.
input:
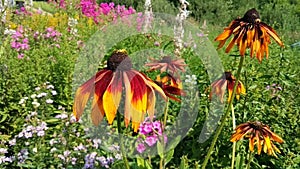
(160, 149)
(169, 156)
(142, 163)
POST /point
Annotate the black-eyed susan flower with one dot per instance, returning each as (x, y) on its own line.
(226, 82)
(249, 32)
(171, 86)
(166, 64)
(259, 134)
(107, 87)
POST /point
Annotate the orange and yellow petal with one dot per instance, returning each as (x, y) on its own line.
(112, 97)
(82, 95)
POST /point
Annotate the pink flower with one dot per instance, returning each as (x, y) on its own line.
(140, 148)
(151, 140)
(21, 56)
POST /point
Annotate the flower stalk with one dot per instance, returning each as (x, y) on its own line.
(224, 117)
(121, 141)
(234, 143)
(162, 158)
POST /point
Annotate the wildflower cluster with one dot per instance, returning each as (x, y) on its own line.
(150, 132)
(95, 11)
(43, 95)
(20, 42)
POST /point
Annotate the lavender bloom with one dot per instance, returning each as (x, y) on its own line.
(22, 156)
(12, 142)
(73, 161)
(80, 147)
(90, 160)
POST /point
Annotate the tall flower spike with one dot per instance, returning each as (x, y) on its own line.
(226, 82)
(259, 134)
(107, 87)
(249, 32)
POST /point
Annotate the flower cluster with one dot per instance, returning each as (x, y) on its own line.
(52, 35)
(150, 133)
(44, 94)
(29, 130)
(20, 42)
(91, 9)
(3, 157)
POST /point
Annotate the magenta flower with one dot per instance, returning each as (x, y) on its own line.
(151, 140)
(141, 147)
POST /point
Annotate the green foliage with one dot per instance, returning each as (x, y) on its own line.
(272, 89)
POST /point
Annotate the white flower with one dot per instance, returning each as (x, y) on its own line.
(35, 104)
(33, 96)
(3, 150)
(53, 150)
(37, 88)
(50, 87)
(49, 101)
(33, 113)
(54, 92)
(41, 95)
(9, 31)
(22, 101)
(34, 150)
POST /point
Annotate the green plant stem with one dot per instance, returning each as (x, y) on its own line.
(224, 117)
(121, 141)
(234, 143)
(249, 160)
(162, 159)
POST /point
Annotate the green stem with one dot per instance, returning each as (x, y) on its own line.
(121, 141)
(234, 143)
(249, 160)
(224, 117)
(162, 159)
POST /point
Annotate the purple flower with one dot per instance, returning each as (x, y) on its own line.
(141, 147)
(151, 140)
(73, 161)
(22, 155)
(90, 160)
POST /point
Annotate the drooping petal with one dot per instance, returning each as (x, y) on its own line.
(112, 97)
(101, 83)
(128, 96)
(82, 95)
(272, 33)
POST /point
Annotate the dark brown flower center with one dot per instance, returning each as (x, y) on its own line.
(251, 16)
(119, 60)
(256, 125)
(166, 59)
(228, 76)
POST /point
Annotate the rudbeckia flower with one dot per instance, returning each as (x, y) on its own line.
(170, 86)
(107, 87)
(259, 134)
(226, 82)
(249, 32)
(166, 64)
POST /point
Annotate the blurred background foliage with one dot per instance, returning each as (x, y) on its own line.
(280, 14)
